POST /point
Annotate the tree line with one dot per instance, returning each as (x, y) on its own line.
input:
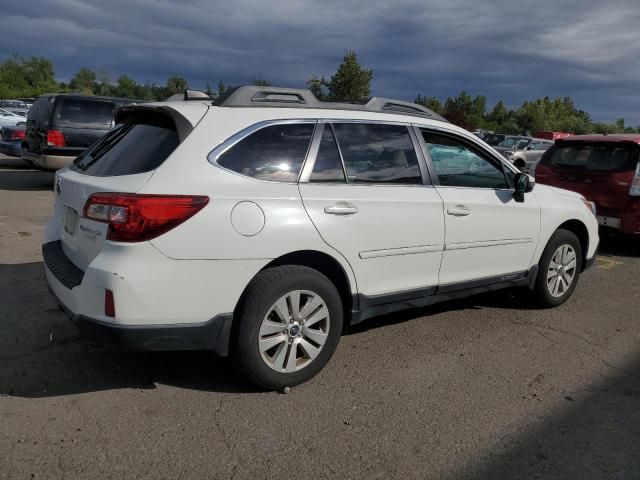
(30, 77)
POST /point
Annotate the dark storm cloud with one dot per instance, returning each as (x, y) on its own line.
(514, 50)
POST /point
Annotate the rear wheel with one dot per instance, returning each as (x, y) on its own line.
(559, 269)
(289, 325)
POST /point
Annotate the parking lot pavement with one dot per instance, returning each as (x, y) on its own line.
(484, 388)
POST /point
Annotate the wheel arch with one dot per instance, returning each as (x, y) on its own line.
(328, 266)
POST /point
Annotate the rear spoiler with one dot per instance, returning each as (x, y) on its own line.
(183, 126)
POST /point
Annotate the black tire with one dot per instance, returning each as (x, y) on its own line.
(261, 294)
(543, 296)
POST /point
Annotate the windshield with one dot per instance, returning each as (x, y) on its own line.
(603, 157)
(515, 142)
(493, 139)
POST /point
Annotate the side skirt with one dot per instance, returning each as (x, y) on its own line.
(373, 306)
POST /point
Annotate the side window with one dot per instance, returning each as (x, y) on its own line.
(378, 153)
(273, 153)
(459, 165)
(328, 165)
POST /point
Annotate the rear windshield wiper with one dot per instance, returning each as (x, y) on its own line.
(104, 146)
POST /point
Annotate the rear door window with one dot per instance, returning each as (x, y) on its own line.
(603, 157)
(273, 153)
(139, 145)
(378, 153)
(78, 112)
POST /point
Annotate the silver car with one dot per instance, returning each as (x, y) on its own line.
(526, 158)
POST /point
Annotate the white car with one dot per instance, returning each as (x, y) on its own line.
(9, 119)
(260, 225)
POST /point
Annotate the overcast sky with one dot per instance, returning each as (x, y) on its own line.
(505, 49)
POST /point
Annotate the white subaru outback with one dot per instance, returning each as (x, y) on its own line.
(260, 225)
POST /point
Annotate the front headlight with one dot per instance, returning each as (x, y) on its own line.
(590, 205)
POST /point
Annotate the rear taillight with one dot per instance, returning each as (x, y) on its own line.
(17, 135)
(55, 138)
(136, 218)
(634, 191)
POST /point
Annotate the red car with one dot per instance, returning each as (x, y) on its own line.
(603, 168)
(551, 135)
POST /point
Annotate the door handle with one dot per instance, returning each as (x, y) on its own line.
(459, 211)
(341, 208)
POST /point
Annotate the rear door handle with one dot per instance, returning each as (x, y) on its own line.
(459, 211)
(341, 208)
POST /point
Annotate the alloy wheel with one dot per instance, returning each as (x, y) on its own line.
(562, 270)
(294, 331)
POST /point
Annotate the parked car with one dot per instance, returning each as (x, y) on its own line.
(61, 126)
(28, 101)
(551, 135)
(15, 106)
(10, 140)
(511, 144)
(262, 226)
(525, 158)
(10, 119)
(494, 139)
(605, 169)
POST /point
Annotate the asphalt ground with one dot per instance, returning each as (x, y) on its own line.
(484, 388)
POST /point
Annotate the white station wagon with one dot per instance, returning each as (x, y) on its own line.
(260, 225)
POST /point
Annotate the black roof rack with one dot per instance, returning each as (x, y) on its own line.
(259, 96)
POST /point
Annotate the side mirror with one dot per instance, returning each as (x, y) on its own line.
(523, 183)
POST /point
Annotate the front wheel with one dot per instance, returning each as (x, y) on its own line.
(559, 269)
(289, 325)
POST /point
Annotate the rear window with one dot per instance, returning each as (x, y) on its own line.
(604, 157)
(40, 112)
(85, 113)
(139, 145)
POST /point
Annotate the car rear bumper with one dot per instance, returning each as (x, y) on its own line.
(626, 220)
(10, 148)
(212, 335)
(51, 162)
(183, 305)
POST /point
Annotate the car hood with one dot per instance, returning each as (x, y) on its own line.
(558, 191)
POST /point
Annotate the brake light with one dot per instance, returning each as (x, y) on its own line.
(634, 191)
(17, 135)
(136, 218)
(55, 138)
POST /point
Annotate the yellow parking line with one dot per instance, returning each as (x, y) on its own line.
(607, 263)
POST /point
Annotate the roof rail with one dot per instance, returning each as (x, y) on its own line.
(260, 96)
(191, 95)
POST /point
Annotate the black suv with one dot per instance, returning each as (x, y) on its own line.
(61, 126)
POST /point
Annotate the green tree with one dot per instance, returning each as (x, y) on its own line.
(351, 81)
(432, 103)
(176, 84)
(222, 88)
(316, 85)
(465, 111)
(84, 81)
(125, 87)
(259, 81)
(20, 77)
